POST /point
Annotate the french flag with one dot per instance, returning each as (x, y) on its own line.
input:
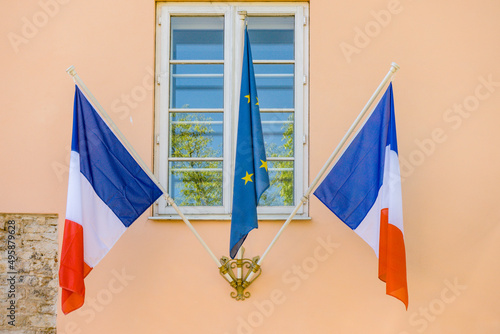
(364, 190)
(107, 192)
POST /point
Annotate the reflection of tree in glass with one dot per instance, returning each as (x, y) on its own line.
(282, 180)
(191, 137)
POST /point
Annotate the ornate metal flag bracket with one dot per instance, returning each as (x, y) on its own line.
(244, 267)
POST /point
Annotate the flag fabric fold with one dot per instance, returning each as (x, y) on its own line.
(107, 192)
(363, 189)
(251, 177)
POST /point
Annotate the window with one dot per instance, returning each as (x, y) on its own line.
(199, 55)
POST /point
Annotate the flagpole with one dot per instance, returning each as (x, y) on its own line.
(305, 198)
(76, 78)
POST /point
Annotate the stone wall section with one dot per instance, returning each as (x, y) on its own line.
(28, 273)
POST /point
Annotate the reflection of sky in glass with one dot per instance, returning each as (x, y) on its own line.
(274, 85)
(196, 183)
(271, 38)
(196, 134)
(200, 38)
(197, 86)
(274, 126)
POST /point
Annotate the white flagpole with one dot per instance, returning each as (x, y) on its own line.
(239, 270)
(304, 199)
(71, 71)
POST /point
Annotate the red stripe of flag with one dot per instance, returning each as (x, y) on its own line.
(73, 269)
(392, 259)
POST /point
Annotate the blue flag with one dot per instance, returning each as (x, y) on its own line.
(251, 178)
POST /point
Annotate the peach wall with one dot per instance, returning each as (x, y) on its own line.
(158, 279)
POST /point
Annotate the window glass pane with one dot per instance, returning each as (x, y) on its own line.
(275, 85)
(280, 192)
(195, 135)
(197, 86)
(196, 183)
(278, 134)
(271, 38)
(197, 38)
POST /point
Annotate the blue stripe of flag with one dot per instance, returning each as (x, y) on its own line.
(389, 104)
(353, 184)
(114, 174)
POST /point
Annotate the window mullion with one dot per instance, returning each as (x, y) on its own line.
(161, 147)
(229, 105)
(183, 62)
(195, 110)
(301, 124)
(270, 62)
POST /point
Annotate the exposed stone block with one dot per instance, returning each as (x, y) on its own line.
(28, 273)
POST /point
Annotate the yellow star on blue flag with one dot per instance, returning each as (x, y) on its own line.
(250, 158)
(247, 177)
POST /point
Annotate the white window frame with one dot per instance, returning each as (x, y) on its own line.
(233, 21)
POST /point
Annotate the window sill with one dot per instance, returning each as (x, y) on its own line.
(223, 217)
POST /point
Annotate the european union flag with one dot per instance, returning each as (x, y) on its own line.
(250, 173)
